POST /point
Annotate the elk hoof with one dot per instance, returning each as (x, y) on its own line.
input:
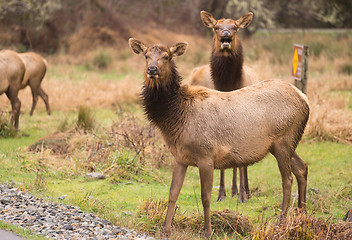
(234, 194)
(242, 201)
(221, 195)
(220, 198)
(207, 233)
(166, 230)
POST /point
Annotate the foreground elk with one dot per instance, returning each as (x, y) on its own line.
(11, 74)
(226, 72)
(217, 130)
(35, 70)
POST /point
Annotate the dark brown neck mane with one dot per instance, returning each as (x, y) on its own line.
(164, 106)
(226, 71)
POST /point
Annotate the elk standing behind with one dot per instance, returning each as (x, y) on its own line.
(35, 66)
(217, 130)
(227, 73)
(11, 74)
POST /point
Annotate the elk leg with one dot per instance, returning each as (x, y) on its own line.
(243, 197)
(178, 176)
(246, 186)
(283, 157)
(12, 95)
(300, 170)
(222, 190)
(234, 190)
(206, 171)
(45, 98)
(35, 93)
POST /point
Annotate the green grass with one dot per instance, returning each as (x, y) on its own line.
(25, 233)
(329, 172)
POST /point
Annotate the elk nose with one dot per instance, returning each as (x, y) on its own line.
(226, 33)
(152, 70)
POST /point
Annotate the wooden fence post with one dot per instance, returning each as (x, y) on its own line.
(300, 67)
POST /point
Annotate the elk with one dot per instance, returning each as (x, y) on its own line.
(211, 130)
(35, 66)
(11, 74)
(226, 72)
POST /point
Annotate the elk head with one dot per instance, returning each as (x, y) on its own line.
(159, 63)
(225, 29)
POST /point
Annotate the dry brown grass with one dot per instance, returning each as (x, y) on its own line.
(331, 113)
(128, 148)
(69, 86)
(229, 224)
(151, 213)
(301, 226)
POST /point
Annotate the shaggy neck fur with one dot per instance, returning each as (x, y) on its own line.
(164, 105)
(226, 69)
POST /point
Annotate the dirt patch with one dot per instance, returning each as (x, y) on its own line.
(56, 143)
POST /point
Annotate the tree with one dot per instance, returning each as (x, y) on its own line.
(28, 18)
(263, 16)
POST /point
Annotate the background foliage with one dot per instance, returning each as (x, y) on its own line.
(47, 25)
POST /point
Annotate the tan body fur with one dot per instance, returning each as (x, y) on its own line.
(35, 71)
(11, 74)
(211, 129)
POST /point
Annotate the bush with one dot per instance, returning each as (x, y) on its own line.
(346, 69)
(86, 119)
(6, 129)
(102, 60)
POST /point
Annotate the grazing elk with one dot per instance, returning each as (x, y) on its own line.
(211, 130)
(226, 72)
(35, 70)
(11, 74)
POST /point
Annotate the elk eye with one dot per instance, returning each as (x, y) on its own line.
(146, 57)
(166, 57)
(216, 28)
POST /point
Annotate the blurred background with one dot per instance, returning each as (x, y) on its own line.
(54, 25)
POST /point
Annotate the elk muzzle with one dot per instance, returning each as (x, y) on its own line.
(153, 72)
(225, 39)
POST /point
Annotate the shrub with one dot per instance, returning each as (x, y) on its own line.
(346, 69)
(316, 48)
(86, 119)
(6, 129)
(102, 60)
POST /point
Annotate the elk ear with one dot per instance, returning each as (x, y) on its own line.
(178, 49)
(207, 19)
(245, 20)
(137, 46)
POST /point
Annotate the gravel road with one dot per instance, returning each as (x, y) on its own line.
(57, 221)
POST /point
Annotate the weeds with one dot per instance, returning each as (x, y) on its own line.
(86, 120)
(127, 151)
(298, 225)
(346, 69)
(102, 60)
(41, 181)
(151, 214)
(6, 129)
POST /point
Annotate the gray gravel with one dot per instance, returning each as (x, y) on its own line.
(57, 221)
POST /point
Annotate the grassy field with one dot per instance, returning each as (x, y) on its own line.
(120, 143)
